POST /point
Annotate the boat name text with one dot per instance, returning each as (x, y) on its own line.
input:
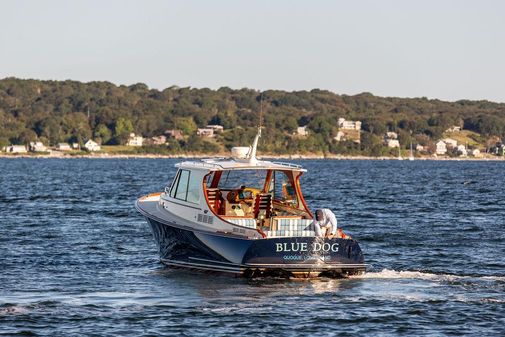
(303, 247)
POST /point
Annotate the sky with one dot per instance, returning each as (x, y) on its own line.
(442, 49)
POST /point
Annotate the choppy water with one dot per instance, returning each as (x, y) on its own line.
(77, 259)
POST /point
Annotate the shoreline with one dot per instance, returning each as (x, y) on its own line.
(266, 156)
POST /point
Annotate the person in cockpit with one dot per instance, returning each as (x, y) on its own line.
(325, 221)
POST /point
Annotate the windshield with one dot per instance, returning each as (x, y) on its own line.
(234, 179)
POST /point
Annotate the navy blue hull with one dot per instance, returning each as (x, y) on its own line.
(291, 256)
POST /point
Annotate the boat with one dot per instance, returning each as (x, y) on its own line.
(247, 217)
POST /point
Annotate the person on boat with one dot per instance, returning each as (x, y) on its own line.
(325, 219)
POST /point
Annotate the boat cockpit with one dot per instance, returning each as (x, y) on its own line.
(265, 197)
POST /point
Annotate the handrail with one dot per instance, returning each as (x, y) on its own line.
(198, 163)
(287, 164)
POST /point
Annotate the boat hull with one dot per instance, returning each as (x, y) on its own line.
(286, 257)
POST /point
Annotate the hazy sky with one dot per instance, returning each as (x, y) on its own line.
(440, 49)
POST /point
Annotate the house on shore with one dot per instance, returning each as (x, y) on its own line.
(348, 130)
(176, 134)
(135, 140)
(391, 140)
(63, 147)
(461, 150)
(205, 132)
(16, 149)
(37, 147)
(475, 153)
(92, 146)
(420, 148)
(441, 147)
(215, 127)
(302, 131)
(450, 142)
(348, 125)
(156, 140)
(454, 128)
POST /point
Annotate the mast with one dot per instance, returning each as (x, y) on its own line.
(252, 153)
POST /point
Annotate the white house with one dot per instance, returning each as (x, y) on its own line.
(419, 148)
(450, 142)
(16, 149)
(205, 132)
(348, 125)
(63, 147)
(475, 152)
(391, 135)
(454, 129)
(92, 146)
(441, 147)
(392, 143)
(462, 150)
(135, 140)
(302, 131)
(215, 127)
(158, 140)
(37, 147)
(76, 146)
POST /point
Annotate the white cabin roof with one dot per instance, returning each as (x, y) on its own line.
(222, 164)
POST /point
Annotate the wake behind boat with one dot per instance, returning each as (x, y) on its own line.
(246, 217)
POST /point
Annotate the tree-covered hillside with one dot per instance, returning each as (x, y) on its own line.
(65, 111)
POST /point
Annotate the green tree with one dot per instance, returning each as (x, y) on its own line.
(122, 129)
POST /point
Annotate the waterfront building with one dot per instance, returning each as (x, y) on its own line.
(176, 134)
(476, 153)
(441, 147)
(158, 140)
(461, 149)
(391, 135)
(392, 143)
(92, 146)
(205, 132)
(348, 125)
(37, 147)
(135, 140)
(450, 142)
(16, 149)
(454, 128)
(302, 131)
(63, 147)
(215, 127)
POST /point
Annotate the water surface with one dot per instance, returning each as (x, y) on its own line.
(77, 259)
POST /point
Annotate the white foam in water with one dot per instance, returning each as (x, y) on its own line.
(393, 274)
(13, 310)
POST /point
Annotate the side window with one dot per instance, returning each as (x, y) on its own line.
(193, 189)
(173, 188)
(186, 187)
(182, 185)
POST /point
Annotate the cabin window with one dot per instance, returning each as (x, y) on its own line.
(173, 188)
(182, 185)
(186, 187)
(193, 189)
(234, 179)
(284, 191)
